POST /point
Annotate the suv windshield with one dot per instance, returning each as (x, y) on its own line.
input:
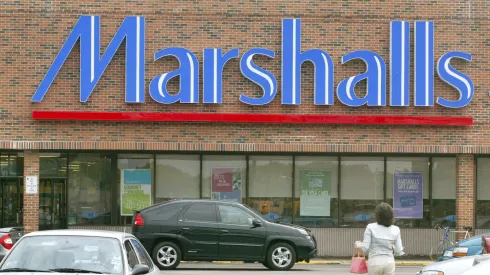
(64, 253)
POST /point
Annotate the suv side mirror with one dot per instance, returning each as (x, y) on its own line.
(140, 269)
(256, 223)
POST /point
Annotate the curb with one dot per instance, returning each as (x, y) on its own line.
(422, 263)
(321, 262)
(400, 263)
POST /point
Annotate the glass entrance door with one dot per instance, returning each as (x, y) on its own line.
(11, 201)
(52, 204)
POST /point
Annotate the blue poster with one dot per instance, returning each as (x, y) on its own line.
(408, 200)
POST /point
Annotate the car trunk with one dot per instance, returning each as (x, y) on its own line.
(15, 233)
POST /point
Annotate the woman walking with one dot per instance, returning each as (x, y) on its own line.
(382, 242)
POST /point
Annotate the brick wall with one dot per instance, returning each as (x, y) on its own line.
(34, 31)
(31, 202)
(465, 192)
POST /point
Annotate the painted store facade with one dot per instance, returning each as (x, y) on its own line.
(310, 113)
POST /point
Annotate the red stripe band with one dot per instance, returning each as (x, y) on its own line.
(253, 118)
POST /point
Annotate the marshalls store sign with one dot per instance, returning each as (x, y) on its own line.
(132, 31)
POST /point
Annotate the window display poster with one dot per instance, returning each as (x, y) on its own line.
(315, 193)
(135, 190)
(407, 195)
(226, 184)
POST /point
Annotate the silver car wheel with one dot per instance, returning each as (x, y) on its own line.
(167, 256)
(281, 257)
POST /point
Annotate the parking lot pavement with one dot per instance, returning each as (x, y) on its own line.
(210, 268)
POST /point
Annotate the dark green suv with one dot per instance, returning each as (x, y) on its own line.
(207, 230)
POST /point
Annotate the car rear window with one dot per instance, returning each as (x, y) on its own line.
(45, 253)
(165, 212)
(472, 242)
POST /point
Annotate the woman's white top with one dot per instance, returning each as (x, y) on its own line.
(380, 240)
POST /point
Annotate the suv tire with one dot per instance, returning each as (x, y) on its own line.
(281, 256)
(169, 254)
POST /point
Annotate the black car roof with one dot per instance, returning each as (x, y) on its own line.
(205, 200)
(188, 201)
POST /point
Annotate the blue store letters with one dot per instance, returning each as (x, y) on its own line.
(132, 31)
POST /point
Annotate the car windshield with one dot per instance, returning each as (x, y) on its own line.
(80, 254)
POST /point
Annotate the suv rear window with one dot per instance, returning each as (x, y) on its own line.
(166, 211)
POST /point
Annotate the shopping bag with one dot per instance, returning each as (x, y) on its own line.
(359, 264)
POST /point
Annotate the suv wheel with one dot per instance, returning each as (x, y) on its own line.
(166, 255)
(281, 256)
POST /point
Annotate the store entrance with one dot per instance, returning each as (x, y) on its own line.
(11, 201)
(52, 204)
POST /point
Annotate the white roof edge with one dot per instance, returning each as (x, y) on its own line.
(81, 232)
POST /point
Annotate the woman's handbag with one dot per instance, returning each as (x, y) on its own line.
(359, 264)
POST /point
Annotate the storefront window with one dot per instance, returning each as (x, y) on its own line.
(483, 193)
(89, 190)
(361, 186)
(12, 165)
(271, 185)
(444, 192)
(407, 190)
(11, 188)
(318, 186)
(135, 184)
(224, 177)
(53, 168)
(177, 177)
(53, 165)
(316, 191)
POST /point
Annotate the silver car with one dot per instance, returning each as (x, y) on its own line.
(479, 269)
(456, 266)
(8, 237)
(78, 251)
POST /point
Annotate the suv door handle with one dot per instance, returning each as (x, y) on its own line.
(224, 230)
(185, 229)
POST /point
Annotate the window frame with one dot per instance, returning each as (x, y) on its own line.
(233, 161)
(475, 212)
(344, 202)
(145, 253)
(428, 177)
(261, 191)
(433, 160)
(111, 192)
(126, 240)
(158, 182)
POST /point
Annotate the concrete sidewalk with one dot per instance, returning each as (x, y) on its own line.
(336, 262)
(348, 262)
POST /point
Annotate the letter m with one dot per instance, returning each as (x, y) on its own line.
(92, 66)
